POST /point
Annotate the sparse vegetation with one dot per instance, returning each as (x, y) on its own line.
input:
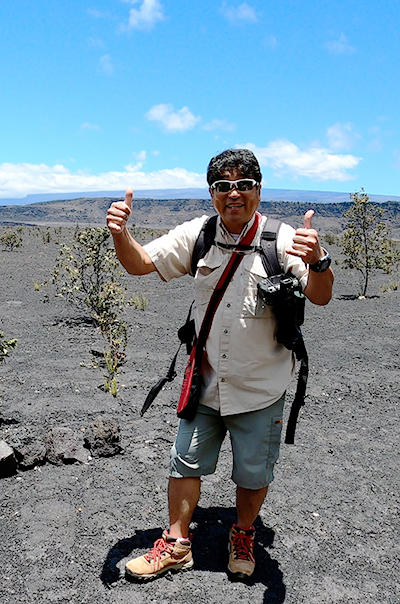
(11, 239)
(138, 301)
(87, 272)
(6, 346)
(46, 235)
(330, 238)
(391, 286)
(366, 242)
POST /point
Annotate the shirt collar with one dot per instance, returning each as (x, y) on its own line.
(224, 234)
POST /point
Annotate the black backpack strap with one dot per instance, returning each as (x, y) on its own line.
(267, 244)
(272, 267)
(299, 399)
(204, 242)
(268, 249)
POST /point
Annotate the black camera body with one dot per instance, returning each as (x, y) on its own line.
(284, 293)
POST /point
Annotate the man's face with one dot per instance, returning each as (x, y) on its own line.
(236, 208)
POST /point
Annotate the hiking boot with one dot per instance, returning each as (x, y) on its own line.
(241, 558)
(167, 553)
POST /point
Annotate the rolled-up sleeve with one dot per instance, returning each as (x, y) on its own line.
(172, 253)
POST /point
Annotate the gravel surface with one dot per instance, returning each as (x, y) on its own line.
(329, 530)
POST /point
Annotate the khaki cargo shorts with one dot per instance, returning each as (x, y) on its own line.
(255, 441)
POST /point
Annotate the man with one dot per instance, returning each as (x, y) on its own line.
(245, 371)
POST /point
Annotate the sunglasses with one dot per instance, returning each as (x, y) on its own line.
(242, 185)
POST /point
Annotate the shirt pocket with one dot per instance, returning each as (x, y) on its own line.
(253, 273)
(209, 271)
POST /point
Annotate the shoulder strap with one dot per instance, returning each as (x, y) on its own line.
(268, 244)
(204, 242)
(269, 254)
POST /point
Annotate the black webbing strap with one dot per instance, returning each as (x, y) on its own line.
(171, 373)
(299, 399)
(268, 248)
(204, 241)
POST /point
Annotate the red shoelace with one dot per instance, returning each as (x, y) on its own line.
(243, 546)
(159, 547)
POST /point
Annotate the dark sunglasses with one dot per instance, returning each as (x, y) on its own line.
(242, 185)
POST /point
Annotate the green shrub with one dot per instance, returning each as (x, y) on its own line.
(11, 240)
(138, 301)
(391, 286)
(87, 273)
(330, 238)
(366, 242)
(6, 346)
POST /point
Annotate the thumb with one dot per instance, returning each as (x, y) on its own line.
(307, 219)
(128, 197)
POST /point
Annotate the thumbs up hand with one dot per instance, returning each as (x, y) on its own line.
(306, 243)
(119, 212)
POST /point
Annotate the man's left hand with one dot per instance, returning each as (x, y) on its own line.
(306, 243)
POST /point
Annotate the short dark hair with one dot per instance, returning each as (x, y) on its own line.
(241, 160)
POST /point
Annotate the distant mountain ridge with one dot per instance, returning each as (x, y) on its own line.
(266, 194)
(167, 213)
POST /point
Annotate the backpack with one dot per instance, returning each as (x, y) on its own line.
(267, 247)
(269, 256)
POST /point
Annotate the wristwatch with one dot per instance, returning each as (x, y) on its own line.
(323, 264)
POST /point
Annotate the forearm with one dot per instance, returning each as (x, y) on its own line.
(131, 254)
(319, 287)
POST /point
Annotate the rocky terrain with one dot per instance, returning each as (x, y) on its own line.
(328, 532)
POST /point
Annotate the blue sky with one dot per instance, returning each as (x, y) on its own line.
(103, 94)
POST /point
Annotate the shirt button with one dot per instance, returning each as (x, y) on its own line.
(228, 305)
(224, 356)
(225, 330)
(223, 380)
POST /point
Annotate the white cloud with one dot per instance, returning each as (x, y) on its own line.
(281, 156)
(18, 180)
(216, 124)
(146, 16)
(315, 163)
(173, 121)
(140, 159)
(342, 137)
(140, 156)
(106, 64)
(340, 46)
(237, 15)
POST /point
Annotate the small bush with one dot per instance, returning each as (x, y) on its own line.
(391, 286)
(46, 235)
(87, 273)
(138, 301)
(6, 346)
(330, 238)
(11, 240)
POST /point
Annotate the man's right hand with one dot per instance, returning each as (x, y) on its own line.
(119, 212)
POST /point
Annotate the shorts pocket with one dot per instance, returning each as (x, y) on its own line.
(276, 429)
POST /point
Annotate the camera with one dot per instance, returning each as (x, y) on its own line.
(284, 293)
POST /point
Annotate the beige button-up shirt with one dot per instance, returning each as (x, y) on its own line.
(244, 368)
